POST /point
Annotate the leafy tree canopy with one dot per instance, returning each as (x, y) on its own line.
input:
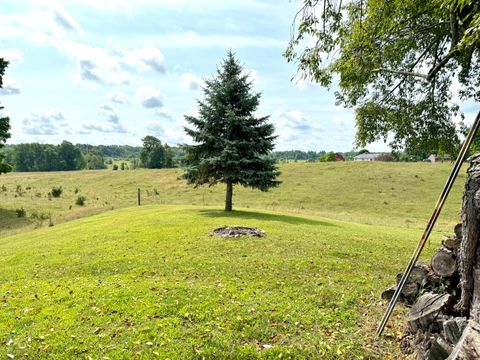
(154, 155)
(231, 143)
(330, 156)
(4, 123)
(396, 61)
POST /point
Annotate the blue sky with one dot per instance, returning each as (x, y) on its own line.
(111, 72)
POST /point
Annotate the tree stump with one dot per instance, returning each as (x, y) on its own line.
(468, 253)
(468, 347)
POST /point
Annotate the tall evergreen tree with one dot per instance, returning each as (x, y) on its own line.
(231, 143)
(4, 123)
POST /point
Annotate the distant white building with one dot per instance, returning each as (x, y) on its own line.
(368, 157)
(434, 158)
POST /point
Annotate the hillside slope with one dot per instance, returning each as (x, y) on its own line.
(139, 282)
(394, 194)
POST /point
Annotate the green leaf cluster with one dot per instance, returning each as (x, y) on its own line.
(397, 63)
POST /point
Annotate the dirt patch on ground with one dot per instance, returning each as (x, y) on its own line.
(237, 231)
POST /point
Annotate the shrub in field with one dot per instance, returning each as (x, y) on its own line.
(115, 167)
(80, 200)
(39, 216)
(76, 190)
(19, 191)
(4, 188)
(20, 212)
(57, 191)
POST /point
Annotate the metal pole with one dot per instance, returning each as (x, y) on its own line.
(430, 224)
(138, 196)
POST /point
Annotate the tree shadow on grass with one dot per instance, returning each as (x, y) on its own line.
(241, 214)
(10, 221)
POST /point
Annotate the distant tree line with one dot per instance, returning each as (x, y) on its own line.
(112, 151)
(30, 157)
(45, 157)
(297, 155)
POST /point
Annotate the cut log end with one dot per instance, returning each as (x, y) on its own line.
(443, 263)
(426, 309)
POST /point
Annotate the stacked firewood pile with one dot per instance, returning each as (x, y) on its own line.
(435, 329)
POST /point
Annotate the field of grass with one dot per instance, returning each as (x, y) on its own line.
(390, 194)
(149, 281)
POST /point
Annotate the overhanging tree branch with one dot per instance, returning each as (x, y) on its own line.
(401, 72)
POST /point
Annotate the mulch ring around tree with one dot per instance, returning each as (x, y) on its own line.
(237, 231)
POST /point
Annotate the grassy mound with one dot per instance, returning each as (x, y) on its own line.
(150, 281)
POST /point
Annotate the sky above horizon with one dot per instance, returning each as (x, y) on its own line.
(111, 72)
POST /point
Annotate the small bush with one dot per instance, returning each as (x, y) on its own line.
(4, 188)
(115, 167)
(19, 191)
(57, 191)
(80, 200)
(21, 212)
(39, 216)
(76, 190)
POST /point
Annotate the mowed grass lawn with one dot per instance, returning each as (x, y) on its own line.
(391, 194)
(146, 282)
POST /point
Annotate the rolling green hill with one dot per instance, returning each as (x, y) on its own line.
(149, 281)
(392, 194)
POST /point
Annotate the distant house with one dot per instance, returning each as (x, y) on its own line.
(369, 157)
(339, 157)
(434, 158)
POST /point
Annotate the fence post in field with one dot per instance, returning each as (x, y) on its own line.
(138, 196)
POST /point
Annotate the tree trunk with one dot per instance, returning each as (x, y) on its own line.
(469, 257)
(228, 199)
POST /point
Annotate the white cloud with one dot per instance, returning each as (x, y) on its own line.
(191, 81)
(14, 56)
(170, 132)
(65, 20)
(118, 97)
(191, 39)
(163, 113)
(293, 128)
(96, 64)
(10, 86)
(146, 58)
(100, 65)
(110, 123)
(149, 97)
(48, 123)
